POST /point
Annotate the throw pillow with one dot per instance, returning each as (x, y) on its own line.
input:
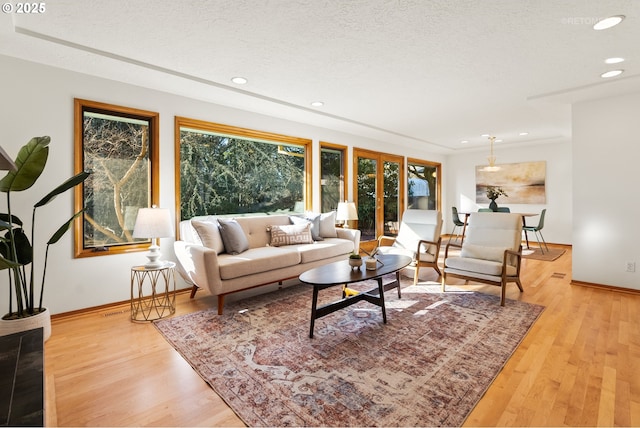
(314, 219)
(233, 237)
(291, 234)
(209, 234)
(328, 225)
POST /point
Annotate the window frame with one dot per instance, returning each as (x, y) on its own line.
(153, 118)
(345, 164)
(438, 167)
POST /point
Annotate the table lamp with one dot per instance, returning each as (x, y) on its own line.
(153, 223)
(346, 211)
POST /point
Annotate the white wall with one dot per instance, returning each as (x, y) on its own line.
(461, 182)
(606, 158)
(38, 100)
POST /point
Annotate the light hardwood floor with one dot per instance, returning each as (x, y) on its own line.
(578, 366)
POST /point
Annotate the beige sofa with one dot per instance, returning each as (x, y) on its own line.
(259, 250)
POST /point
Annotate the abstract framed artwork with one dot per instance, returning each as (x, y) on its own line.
(524, 182)
(119, 145)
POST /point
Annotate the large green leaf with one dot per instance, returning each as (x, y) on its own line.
(4, 218)
(63, 229)
(70, 183)
(31, 161)
(7, 264)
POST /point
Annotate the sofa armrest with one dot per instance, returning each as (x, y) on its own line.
(351, 235)
(198, 265)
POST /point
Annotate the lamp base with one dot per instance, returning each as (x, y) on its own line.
(154, 258)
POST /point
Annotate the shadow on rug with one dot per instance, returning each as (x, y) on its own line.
(428, 366)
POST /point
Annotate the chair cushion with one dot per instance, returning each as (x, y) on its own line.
(233, 237)
(483, 252)
(472, 267)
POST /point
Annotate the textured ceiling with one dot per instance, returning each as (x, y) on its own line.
(413, 72)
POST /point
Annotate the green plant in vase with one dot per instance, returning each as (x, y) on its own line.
(493, 193)
(17, 254)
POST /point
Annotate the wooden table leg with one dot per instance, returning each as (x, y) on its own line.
(381, 291)
(314, 304)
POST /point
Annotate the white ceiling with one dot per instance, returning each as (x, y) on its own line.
(419, 72)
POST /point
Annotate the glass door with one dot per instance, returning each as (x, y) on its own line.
(379, 193)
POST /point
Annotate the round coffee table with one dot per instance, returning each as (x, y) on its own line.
(340, 273)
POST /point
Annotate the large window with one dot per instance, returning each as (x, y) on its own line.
(423, 180)
(333, 175)
(229, 170)
(119, 145)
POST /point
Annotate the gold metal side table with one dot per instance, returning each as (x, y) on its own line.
(155, 298)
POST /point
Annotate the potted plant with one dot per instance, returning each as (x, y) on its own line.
(17, 255)
(355, 260)
(493, 192)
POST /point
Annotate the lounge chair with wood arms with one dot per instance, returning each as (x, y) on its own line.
(491, 252)
(418, 237)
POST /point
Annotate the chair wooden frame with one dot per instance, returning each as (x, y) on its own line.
(504, 278)
(387, 241)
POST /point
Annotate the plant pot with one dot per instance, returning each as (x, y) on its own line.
(355, 263)
(42, 319)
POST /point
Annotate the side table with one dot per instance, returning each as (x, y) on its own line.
(151, 295)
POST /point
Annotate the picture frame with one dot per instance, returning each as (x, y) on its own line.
(120, 147)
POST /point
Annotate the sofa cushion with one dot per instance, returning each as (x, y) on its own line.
(256, 260)
(233, 237)
(209, 234)
(312, 218)
(330, 247)
(328, 225)
(290, 234)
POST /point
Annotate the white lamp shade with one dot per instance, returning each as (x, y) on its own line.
(346, 211)
(153, 223)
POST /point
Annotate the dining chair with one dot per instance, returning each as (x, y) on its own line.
(419, 237)
(456, 222)
(537, 230)
(490, 254)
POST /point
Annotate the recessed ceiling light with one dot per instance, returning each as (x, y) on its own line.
(609, 22)
(614, 60)
(522, 134)
(317, 103)
(239, 80)
(498, 141)
(464, 141)
(485, 135)
(612, 73)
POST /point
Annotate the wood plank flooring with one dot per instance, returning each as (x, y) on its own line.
(579, 365)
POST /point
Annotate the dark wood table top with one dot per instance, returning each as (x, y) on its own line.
(338, 273)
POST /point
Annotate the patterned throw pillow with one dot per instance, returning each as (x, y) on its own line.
(290, 234)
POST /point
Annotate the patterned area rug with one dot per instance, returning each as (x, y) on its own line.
(428, 366)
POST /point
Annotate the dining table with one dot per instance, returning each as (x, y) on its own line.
(524, 222)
